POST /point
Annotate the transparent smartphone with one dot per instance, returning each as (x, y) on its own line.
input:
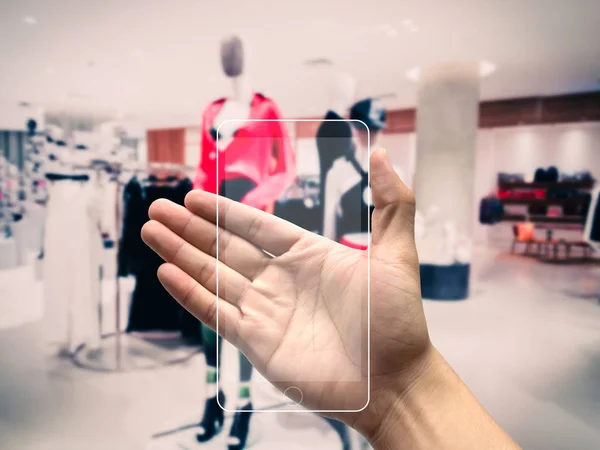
(301, 307)
(591, 233)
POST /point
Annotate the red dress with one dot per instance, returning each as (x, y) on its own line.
(250, 154)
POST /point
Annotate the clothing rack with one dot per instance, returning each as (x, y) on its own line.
(124, 361)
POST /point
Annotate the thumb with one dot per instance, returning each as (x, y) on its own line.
(394, 214)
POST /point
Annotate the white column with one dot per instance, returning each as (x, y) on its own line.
(447, 121)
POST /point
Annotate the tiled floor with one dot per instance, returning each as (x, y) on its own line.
(527, 343)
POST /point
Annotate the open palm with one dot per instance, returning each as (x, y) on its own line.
(294, 303)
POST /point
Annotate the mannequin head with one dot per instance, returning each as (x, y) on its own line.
(232, 56)
(372, 114)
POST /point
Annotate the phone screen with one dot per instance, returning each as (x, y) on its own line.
(302, 318)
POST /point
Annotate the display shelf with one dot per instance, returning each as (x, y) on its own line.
(546, 201)
(543, 219)
(509, 185)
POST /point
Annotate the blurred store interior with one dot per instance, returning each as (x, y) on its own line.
(490, 112)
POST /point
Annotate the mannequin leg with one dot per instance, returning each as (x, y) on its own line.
(238, 434)
(342, 430)
(212, 419)
(245, 377)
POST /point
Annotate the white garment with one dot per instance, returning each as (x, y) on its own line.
(72, 247)
(341, 177)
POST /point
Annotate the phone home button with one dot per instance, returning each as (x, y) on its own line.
(293, 395)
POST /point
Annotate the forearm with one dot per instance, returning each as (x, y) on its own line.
(437, 411)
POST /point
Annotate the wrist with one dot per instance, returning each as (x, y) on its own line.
(397, 402)
(430, 408)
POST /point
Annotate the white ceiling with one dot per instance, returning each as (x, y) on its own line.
(158, 60)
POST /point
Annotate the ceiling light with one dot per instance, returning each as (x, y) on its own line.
(29, 20)
(120, 115)
(410, 25)
(413, 74)
(486, 68)
(50, 70)
(391, 33)
(137, 53)
(318, 62)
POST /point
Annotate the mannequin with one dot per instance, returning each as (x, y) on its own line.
(334, 139)
(255, 172)
(347, 194)
(72, 244)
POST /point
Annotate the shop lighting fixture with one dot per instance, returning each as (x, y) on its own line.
(29, 20)
(410, 25)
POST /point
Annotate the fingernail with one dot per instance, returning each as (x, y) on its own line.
(386, 157)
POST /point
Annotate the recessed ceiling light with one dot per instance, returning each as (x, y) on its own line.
(29, 20)
(137, 53)
(413, 74)
(486, 68)
(385, 96)
(318, 62)
(410, 25)
(50, 70)
(391, 33)
(120, 115)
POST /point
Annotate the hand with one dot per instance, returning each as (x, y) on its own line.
(286, 312)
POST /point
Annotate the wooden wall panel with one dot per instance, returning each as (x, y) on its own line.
(400, 121)
(571, 108)
(501, 113)
(167, 145)
(308, 129)
(522, 111)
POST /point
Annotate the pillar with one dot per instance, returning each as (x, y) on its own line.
(446, 133)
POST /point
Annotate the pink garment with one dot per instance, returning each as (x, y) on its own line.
(251, 153)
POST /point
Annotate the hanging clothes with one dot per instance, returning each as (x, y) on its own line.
(72, 258)
(260, 151)
(152, 307)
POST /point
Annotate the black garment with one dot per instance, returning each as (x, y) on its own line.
(334, 140)
(152, 307)
(296, 211)
(355, 212)
(236, 189)
(540, 175)
(491, 211)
